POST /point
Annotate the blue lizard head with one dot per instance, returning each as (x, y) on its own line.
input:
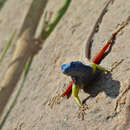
(75, 68)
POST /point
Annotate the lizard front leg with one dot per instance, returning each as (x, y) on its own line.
(75, 91)
(82, 108)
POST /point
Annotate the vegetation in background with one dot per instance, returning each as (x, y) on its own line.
(48, 27)
(2, 2)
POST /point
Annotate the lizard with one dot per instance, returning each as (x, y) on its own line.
(81, 74)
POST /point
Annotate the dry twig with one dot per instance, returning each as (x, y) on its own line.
(116, 64)
(95, 29)
(127, 84)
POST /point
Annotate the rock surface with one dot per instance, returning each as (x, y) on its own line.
(66, 44)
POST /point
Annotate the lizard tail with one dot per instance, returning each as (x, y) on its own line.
(101, 53)
(68, 89)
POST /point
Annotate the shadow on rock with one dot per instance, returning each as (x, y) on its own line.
(104, 83)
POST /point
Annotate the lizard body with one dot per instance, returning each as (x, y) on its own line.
(82, 75)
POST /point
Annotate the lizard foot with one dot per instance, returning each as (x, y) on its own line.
(81, 111)
(55, 100)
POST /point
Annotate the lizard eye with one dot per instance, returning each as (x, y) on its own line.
(76, 64)
(73, 65)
